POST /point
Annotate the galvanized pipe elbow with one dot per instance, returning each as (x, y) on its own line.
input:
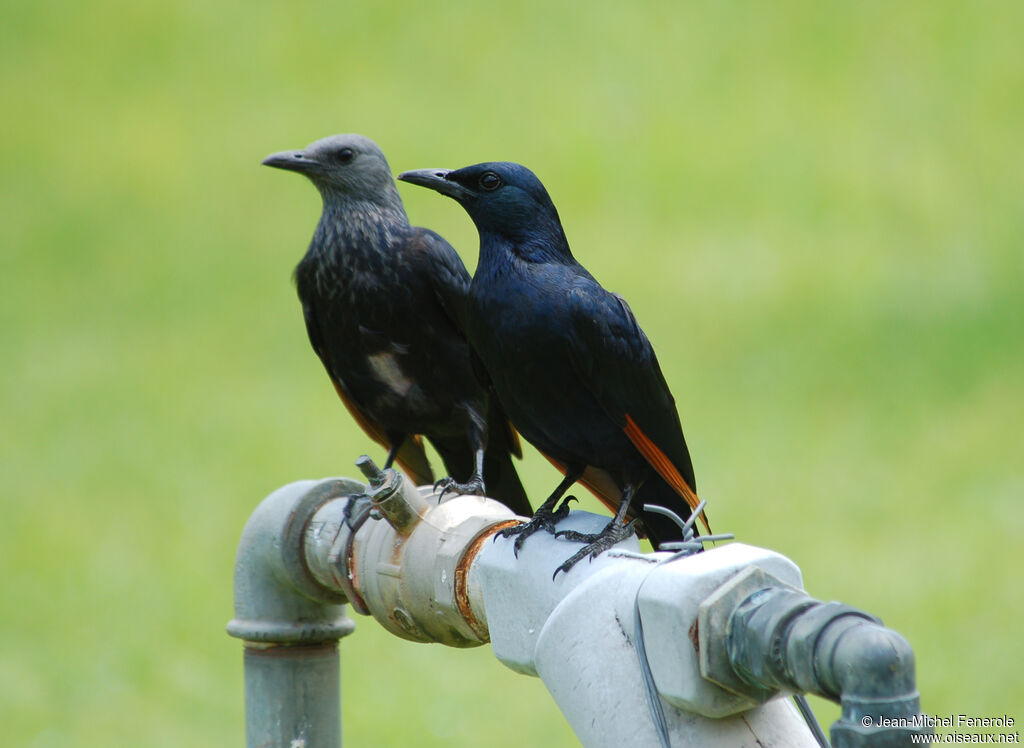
(870, 658)
(278, 600)
(782, 639)
(872, 670)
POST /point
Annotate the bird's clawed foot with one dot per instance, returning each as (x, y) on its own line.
(543, 519)
(473, 487)
(597, 544)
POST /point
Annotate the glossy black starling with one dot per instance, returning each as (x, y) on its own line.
(567, 359)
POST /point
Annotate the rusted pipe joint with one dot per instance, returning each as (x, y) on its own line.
(406, 561)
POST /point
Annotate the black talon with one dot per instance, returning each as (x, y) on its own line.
(578, 537)
(544, 519)
(597, 544)
(563, 510)
(473, 487)
(547, 515)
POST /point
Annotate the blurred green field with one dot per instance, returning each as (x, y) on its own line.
(816, 212)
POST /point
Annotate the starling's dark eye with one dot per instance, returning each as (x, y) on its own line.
(345, 155)
(489, 181)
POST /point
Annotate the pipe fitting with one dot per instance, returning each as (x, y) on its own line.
(278, 599)
(407, 565)
(873, 669)
(780, 639)
(683, 635)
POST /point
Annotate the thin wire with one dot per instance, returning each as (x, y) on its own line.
(696, 544)
(685, 525)
(650, 690)
(812, 722)
(688, 546)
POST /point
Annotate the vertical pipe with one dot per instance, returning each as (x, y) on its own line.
(310, 717)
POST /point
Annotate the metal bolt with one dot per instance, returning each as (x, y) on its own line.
(370, 471)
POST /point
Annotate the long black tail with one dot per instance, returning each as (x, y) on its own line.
(500, 473)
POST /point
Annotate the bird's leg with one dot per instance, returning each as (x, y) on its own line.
(396, 444)
(476, 432)
(546, 517)
(473, 487)
(615, 531)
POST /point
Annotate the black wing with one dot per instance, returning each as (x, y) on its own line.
(616, 362)
(411, 456)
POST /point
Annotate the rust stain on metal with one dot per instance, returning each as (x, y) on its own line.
(286, 651)
(352, 572)
(462, 578)
(695, 635)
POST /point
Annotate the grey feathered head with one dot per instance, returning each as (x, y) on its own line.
(343, 167)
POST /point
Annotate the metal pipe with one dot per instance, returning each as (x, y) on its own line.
(292, 695)
(289, 621)
(781, 638)
(727, 632)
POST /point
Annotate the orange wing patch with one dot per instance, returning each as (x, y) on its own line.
(664, 467)
(515, 443)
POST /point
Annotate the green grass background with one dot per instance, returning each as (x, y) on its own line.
(815, 211)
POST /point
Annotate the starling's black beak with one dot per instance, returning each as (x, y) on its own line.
(437, 180)
(292, 161)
